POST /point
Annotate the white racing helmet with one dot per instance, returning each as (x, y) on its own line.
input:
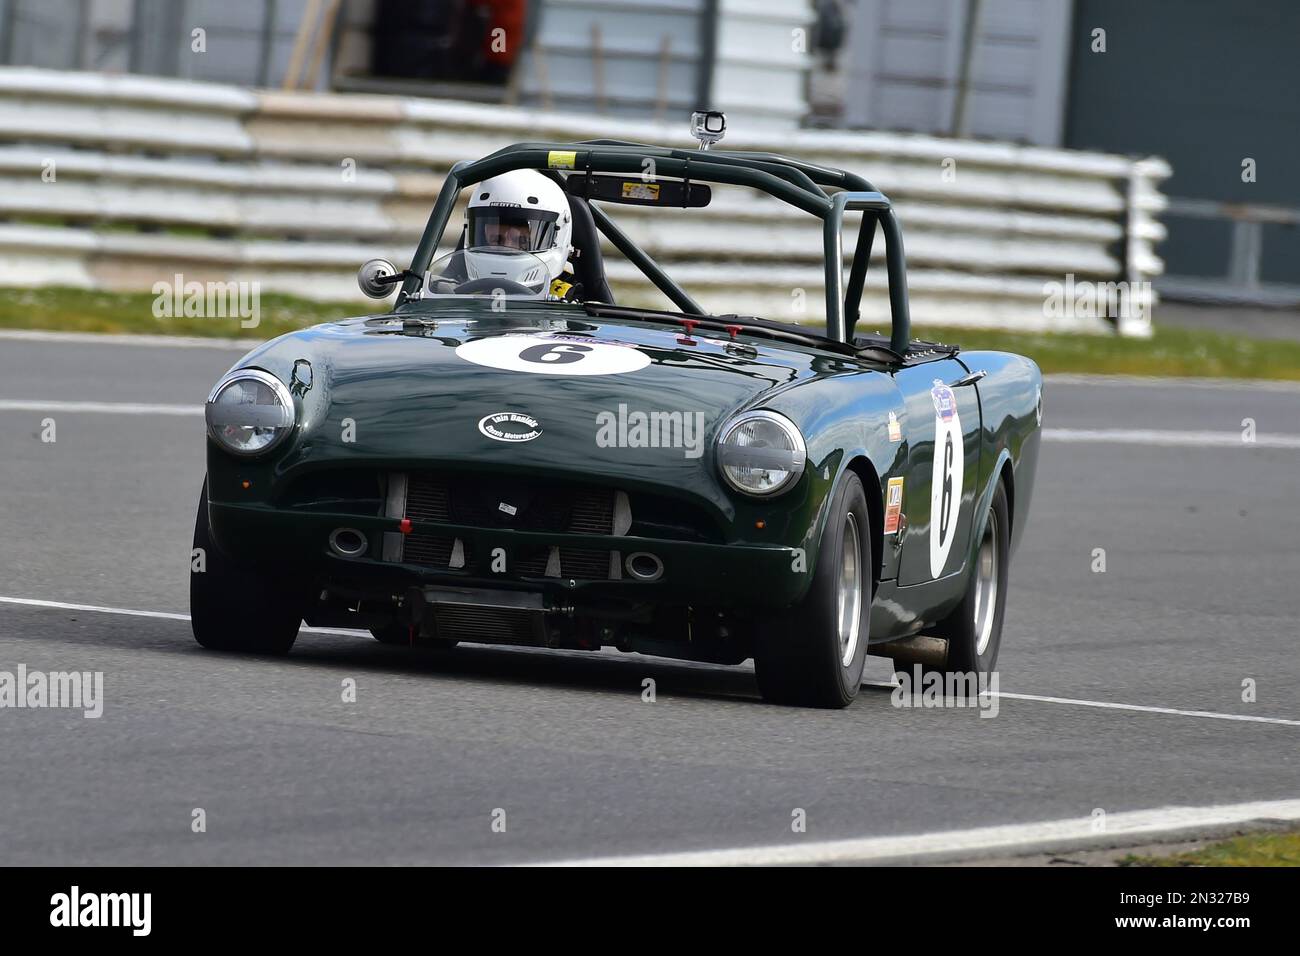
(519, 211)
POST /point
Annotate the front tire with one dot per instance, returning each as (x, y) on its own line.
(234, 607)
(812, 655)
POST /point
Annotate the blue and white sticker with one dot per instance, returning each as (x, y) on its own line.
(553, 355)
(945, 400)
(947, 476)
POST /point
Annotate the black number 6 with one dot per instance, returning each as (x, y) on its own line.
(945, 503)
(561, 354)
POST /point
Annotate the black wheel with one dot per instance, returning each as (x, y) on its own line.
(974, 628)
(238, 608)
(399, 635)
(812, 655)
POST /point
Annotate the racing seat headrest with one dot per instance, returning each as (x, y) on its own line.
(589, 262)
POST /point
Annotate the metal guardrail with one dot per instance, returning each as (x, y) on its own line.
(118, 182)
(1241, 284)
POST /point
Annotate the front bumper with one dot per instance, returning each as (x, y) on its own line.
(737, 576)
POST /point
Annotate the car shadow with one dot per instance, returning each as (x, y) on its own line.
(587, 670)
(607, 670)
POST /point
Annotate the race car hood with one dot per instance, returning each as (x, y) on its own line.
(535, 390)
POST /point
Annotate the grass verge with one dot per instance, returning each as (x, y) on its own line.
(1171, 351)
(1259, 849)
(81, 310)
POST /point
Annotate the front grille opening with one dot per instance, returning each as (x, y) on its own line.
(592, 513)
(426, 500)
(433, 550)
(517, 503)
(584, 563)
(532, 562)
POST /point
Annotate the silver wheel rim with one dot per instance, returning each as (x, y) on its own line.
(986, 584)
(849, 596)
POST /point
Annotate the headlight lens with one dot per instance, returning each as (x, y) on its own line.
(761, 453)
(249, 412)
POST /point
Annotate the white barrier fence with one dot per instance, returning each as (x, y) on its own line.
(121, 182)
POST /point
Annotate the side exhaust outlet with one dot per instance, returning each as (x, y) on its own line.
(922, 649)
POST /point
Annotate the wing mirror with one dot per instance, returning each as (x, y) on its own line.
(377, 278)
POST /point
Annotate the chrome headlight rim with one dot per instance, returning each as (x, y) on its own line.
(282, 393)
(799, 453)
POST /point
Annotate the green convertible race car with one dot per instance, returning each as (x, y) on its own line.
(508, 456)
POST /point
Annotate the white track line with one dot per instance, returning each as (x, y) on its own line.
(1247, 718)
(1169, 437)
(126, 612)
(129, 612)
(1113, 436)
(1106, 705)
(98, 408)
(1125, 828)
(1172, 381)
(1110, 705)
(245, 344)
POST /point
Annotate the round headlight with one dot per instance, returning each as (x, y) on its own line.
(761, 453)
(249, 412)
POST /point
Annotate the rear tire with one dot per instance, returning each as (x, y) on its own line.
(812, 655)
(234, 607)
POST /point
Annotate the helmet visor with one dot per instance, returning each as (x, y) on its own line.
(528, 230)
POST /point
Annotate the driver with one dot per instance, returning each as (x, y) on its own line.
(522, 211)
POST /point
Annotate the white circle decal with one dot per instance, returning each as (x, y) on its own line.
(553, 355)
(510, 426)
(946, 477)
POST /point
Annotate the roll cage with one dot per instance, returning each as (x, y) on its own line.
(819, 190)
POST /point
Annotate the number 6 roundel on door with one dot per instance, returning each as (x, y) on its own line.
(946, 483)
(553, 355)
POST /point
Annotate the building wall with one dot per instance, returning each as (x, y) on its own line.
(1206, 85)
(760, 74)
(244, 41)
(658, 57)
(610, 55)
(627, 58)
(902, 62)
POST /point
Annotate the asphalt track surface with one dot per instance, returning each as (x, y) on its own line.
(1200, 592)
